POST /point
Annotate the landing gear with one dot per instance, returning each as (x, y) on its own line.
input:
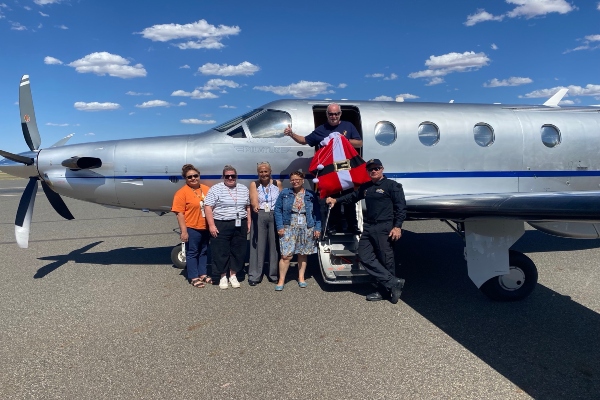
(178, 257)
(517, 284)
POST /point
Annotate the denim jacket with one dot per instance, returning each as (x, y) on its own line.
(283, 209)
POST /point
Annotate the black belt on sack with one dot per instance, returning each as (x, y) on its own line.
(342, 165)
(376, 221)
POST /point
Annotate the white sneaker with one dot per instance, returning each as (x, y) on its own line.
(234, 282)
(223, 283)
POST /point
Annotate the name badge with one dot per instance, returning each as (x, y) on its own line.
(267, 207)
(301, 219)
(202, 208)
(238, 222)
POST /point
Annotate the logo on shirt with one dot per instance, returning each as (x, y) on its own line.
(380, 191)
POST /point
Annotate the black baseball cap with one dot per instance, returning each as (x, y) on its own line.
(374, 161)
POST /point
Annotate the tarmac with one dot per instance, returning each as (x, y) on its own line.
(95, 309)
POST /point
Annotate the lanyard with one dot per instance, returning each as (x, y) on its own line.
(297, 198)
(266, 193)
(234, 198)
(196, 194)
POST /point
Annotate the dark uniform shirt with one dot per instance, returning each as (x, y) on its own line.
(344, 128)
(384, 199)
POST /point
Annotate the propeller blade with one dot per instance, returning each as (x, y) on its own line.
(16, 158)
(57, 202)
(24, 213)
(28, 122)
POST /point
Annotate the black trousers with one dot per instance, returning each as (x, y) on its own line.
(228, 249)
(377, 254)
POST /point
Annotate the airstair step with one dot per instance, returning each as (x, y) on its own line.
(342, 253)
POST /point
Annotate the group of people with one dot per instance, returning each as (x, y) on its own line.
(287, 221)
(227, 211)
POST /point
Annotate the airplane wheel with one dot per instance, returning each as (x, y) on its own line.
(517, 284)
(178, 257)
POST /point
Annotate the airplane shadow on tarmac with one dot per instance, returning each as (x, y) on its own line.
(545, 344)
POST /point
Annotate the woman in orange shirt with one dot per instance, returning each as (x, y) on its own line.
(188, 205)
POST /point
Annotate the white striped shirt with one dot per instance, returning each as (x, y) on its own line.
(228, 203)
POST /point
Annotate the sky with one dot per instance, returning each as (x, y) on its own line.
(110, 69)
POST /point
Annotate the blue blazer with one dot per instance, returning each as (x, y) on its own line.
(283, 209)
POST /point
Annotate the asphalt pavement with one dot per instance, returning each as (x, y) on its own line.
(95, 309)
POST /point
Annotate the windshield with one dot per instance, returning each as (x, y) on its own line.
(230, 124)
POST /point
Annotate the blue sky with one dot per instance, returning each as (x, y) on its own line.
(120, 69)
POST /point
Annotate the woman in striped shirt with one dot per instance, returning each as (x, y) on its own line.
(227, 206)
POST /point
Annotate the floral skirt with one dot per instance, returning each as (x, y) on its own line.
(297, 239)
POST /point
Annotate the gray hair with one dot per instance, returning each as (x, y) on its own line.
(229, 168)
(258, 165)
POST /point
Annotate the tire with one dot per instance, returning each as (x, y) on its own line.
(517, 284)
(177, 257)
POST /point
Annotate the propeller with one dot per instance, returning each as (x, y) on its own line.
(33, 140)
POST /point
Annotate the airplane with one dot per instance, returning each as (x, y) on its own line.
(484, 169)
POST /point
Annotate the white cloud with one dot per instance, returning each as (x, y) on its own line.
(90, 134)
(53, 124)
(392, 77)
(448, 63)
(181, 104)
(378, 75)
(534, 8)
(588, 90)
(512, 81)
(18, 27)
(494, 47)
(435, 81)
(407, 96)
(44, 2)
(130, 93)
(302, 89)
(244, 68)
(203, 34)
(198, 121)
(593, 38)
(95, 106)
(52, 61)
(226, 106)
(27, 8)
(598, 7)
(62, 27)
(524, 8)
(481, 16)
(154, 103)
(383, 98)
(43, 15)
(215, 84)
(104, 63)
(185, 66)
(342, 85)
(196, 94)
(588, 44)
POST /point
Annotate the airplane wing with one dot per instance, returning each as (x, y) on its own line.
(566, 206)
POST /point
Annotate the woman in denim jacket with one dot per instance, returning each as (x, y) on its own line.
(298, 223)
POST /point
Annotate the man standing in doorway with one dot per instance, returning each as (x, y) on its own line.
(347, 129)
(386, 210)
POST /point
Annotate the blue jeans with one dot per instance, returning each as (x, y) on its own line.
(195, 252)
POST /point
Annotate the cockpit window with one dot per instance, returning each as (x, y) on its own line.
(269, 124)
(230, 124)
(237, 133)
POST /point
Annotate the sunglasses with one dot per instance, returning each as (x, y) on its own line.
(192, 176)
(334, 114)
(295, 180)
(230, 176)
(374, 169)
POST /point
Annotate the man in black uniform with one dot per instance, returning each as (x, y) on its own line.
(386, 210)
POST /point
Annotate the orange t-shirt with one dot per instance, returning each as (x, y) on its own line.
(187, 202)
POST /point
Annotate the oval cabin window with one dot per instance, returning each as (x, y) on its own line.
(550, 135)
(429, 133)
(483, 134)
(385, 133)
